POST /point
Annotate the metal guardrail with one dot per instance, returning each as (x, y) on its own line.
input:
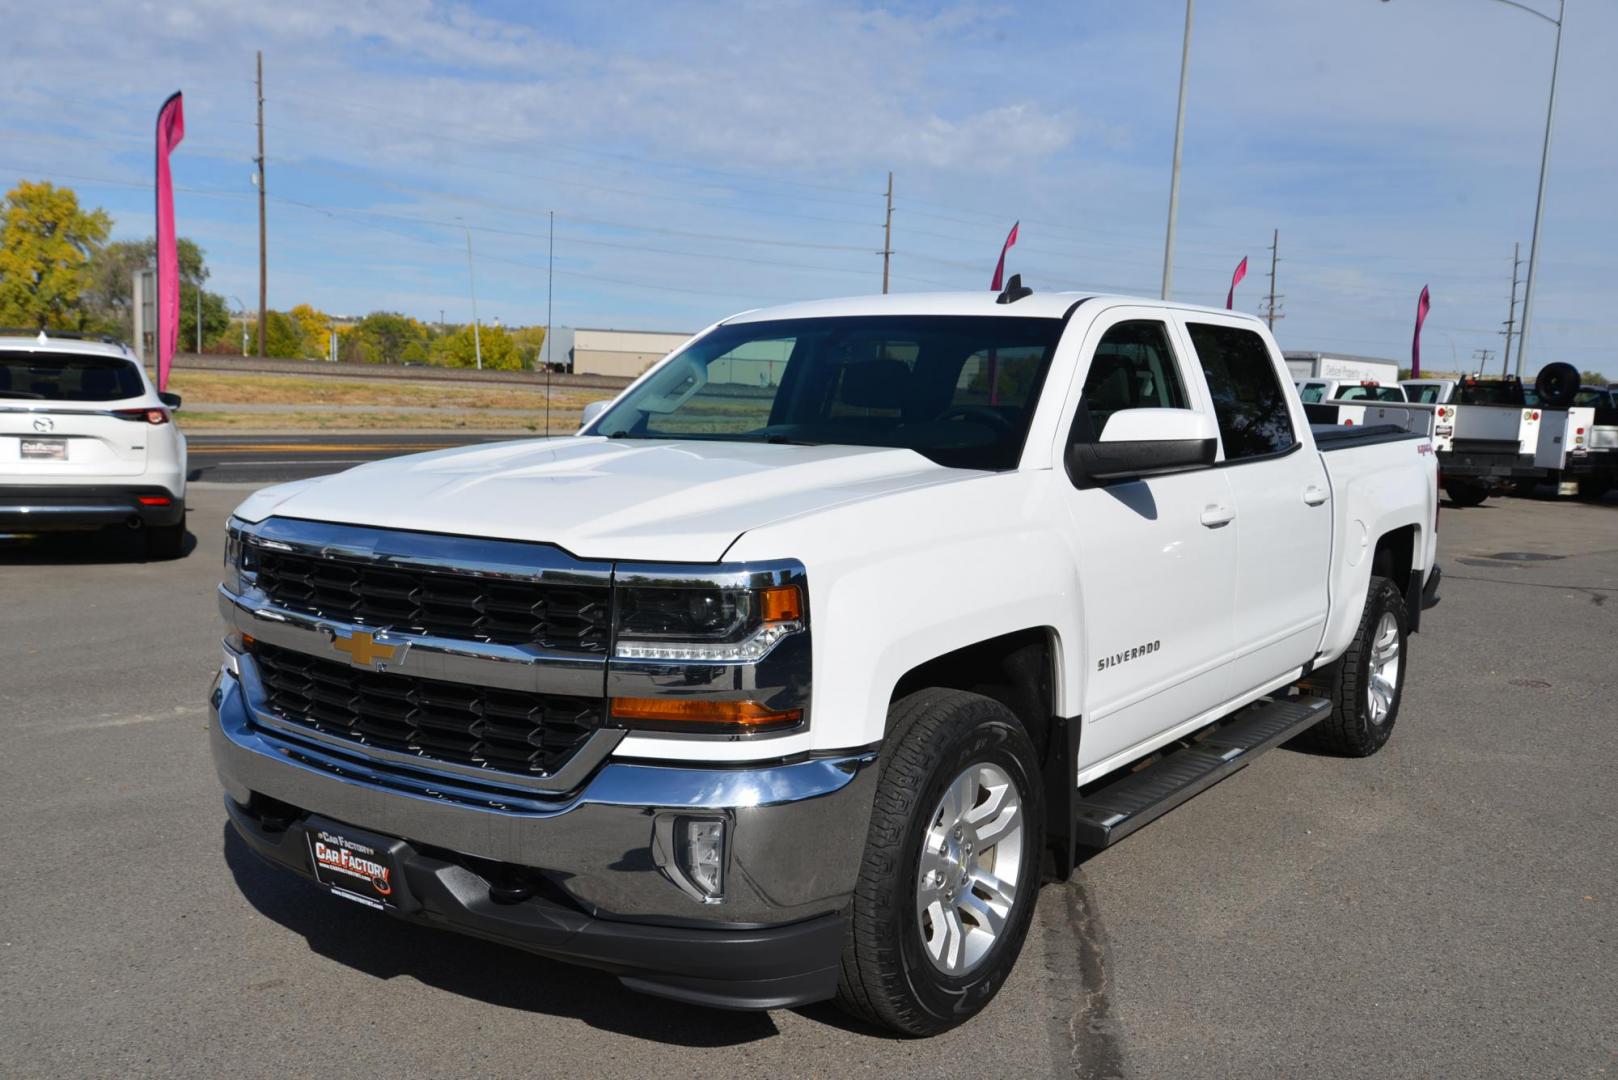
(252, 365)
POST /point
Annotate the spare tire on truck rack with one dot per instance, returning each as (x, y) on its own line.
(1557, 385)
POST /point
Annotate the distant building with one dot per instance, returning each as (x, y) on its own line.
(625, 353)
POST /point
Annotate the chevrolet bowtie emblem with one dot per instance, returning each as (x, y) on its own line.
(363, 650)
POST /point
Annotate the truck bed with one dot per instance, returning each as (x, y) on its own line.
(1329, 437)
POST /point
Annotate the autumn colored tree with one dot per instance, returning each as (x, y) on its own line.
(46, 243)
(313, 329)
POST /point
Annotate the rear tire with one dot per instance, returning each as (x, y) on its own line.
(1466, 492)
(1595, 488)
(915, 958)
(165, 541)
(1365, 684)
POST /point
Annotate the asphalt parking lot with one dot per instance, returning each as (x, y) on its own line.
(1447, 908)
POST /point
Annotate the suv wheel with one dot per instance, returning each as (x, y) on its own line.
(165, 541)
(951, 869)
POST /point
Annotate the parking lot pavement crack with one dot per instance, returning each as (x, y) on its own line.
(1085, 1041)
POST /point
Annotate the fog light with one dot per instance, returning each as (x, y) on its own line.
(700, 850)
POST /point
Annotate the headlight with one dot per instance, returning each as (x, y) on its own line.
(704, 621)
(241, 560)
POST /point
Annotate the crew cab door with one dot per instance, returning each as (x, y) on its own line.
(1281, 497)
(1156, 556)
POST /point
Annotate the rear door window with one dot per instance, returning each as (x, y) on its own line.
(33, 376)
(1249, 401)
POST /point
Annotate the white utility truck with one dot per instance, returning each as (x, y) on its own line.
(1486, 433)
(1342, 367)
(788, 681)
(87, 442)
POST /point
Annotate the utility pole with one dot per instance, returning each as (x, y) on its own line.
(1271, 313)
(1482, 357)
(550, 352)
(1179, 141)
(1511, 321)
(263, 302)
(472, 280)
(887, 235)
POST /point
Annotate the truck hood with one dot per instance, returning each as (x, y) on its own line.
(602, 498)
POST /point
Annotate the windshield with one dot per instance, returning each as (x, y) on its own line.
(959, 390)
(1497, 392)
(1312, 392)
(65, 377)
(1370, 393)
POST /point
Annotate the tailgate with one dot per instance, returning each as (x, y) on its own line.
(43, 445)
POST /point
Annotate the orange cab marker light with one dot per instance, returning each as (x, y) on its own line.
(680, 711)
(782, 603)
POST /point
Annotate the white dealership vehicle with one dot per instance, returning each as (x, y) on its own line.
(1341, 367)
(1487, 433)
(87, 442)
(795, 672)
(1578, 445)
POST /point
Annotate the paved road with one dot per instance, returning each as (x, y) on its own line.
(1447, 908)
(269, 459)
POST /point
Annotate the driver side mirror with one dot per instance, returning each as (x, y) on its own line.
(171, 400)
(591, 411)
(1138, 443)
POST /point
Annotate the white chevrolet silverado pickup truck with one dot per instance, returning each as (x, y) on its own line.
(796, 672)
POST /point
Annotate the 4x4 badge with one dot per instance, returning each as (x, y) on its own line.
(364, 651)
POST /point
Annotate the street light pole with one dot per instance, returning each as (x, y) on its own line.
(1539, 199)
(241, 312)
(472, 280)
(1179, 141)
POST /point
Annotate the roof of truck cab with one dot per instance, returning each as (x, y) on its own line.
(1040, 305)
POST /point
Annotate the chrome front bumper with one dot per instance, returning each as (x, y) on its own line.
(796, 831)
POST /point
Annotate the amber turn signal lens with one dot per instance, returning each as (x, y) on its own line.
(781, 603)
(686, 713)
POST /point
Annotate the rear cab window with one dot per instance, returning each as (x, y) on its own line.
(52, 376)
(1249, 401)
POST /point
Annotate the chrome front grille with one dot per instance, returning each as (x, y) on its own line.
(566, 616)
(506, 730)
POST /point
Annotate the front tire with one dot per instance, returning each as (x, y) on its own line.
(1366, 683)
(951, 869)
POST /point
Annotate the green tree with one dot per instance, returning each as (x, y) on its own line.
(386, 337)
(112, 270)
(46, 243)
(215, 318)
(1592, 378)
(459, 349)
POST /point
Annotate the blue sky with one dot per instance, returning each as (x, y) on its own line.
(706, 159)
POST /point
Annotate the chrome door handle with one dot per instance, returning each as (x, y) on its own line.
(1214, 515)
(1314, 495)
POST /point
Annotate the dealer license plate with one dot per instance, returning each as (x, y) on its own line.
(356, 865)
(44, 449)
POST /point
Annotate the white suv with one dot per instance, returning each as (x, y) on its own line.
(86, 441)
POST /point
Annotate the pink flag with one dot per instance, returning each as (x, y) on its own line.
(1235, 280)
(1415, 342)
(1000, 267)
(170, 130)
